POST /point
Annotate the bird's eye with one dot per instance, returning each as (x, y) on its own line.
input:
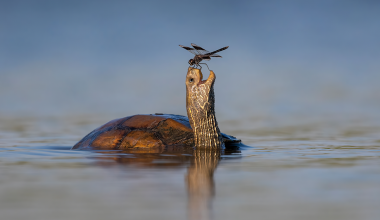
(191, 80)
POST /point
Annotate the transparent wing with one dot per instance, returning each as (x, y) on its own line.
(216, 51)
(191, 50)
(200, 49)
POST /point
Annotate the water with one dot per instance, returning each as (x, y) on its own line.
(315, 170)
(299, 85)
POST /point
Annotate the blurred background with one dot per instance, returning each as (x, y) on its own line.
(289, 59)
(299, 82)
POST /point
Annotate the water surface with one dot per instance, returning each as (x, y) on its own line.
(299, 84)
(315, 170)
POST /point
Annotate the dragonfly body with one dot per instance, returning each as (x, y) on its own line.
(197, 59)
(201, 54)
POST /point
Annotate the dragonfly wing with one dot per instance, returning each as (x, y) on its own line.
(191, 50)
(216, 51)
(206, 57)
(200, 49)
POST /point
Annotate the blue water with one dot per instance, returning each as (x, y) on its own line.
(298, 84)
(291, 171)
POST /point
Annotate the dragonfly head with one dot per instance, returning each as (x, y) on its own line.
(191, 62)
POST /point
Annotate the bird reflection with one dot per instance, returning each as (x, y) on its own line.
(200, 173)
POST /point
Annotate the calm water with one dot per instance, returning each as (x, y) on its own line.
(325, 169)
(299, 84)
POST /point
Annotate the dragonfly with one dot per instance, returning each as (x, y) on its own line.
(201, 54)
